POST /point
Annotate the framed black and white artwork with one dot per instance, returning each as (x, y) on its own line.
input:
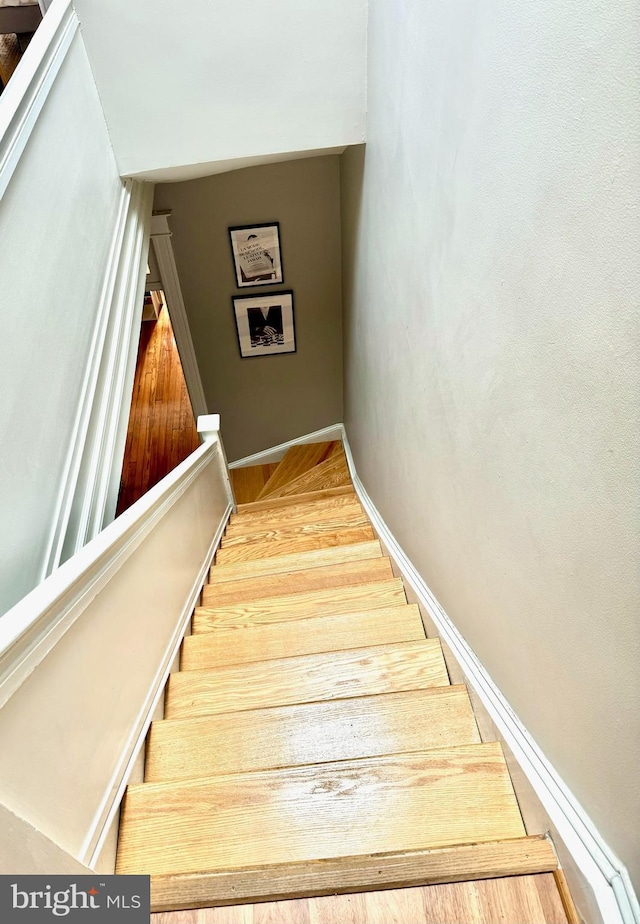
(256, 255)
(265, 324)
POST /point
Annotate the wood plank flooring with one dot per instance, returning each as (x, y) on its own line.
(162, 430)
(529, 899)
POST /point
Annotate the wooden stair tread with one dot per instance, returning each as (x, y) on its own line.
(249, 481)
(333, 473)
(286, 564)
(296, 461)
(326, 602)
(297, 544)
(295, 500)
(307, 678)
(303, 581)
(390, 802)
(249, 523)
(312, 733)
(290, 507)
(301, 637)
(513, 867)
(280, 532)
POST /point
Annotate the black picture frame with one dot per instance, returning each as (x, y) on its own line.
(256, 254)
(265, 324)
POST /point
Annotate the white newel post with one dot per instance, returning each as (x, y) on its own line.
(163, 250)
(209, 430)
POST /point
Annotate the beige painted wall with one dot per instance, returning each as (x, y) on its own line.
(492, 380)
(264, 401)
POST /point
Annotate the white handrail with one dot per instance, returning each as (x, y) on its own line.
(31, 628)
(84, 658)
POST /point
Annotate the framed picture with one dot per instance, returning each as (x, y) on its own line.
(265, 324)
(256, 255)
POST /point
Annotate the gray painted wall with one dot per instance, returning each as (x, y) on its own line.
(266, 400)
(492, 378)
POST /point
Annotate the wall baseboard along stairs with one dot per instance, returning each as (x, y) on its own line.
(599, 881)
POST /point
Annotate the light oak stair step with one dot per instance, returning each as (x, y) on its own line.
(287, 532)
(333, 473)
(346, 575)
(222, 647)
(437, 798)
(307, 679)
(294, 545)
(296, 461)
(313, 733)
(249, 481)
(295, 516)
(295, 500)
(522, 859)
(326, 602)
(285, 508)
(302, 561)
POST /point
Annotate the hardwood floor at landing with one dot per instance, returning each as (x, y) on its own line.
(161, 431)
(513, 900)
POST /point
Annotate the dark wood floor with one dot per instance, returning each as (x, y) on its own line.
(162, 430)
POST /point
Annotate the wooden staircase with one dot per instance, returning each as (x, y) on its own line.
(311, 741)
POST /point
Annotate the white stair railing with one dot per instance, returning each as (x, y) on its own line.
(85, 656)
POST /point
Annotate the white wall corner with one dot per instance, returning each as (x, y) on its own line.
(599, 881)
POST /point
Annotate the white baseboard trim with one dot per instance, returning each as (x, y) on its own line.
(602, 872)
(107, 815)
(334, 432)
